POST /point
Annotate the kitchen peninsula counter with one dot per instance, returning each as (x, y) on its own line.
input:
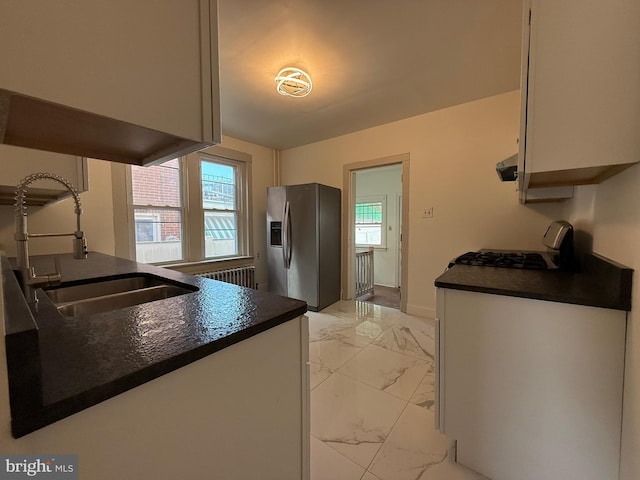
(59, 365)
(600, 283)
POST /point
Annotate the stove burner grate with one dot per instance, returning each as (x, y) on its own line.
(527, 261)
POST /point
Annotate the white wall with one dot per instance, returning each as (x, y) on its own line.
(97, 218)
(609, 215)
(453, 153)
(384, 181)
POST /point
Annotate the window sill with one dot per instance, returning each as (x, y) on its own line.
(201, 266)
(375, 248)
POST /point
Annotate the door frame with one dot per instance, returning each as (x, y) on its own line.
(399, 240)
(348, 220)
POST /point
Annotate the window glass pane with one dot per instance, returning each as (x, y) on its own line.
(158, 185)
(220, 234)
(158, 235)
(369, 212)
(368, 219)
(368, 235)
(218, 186)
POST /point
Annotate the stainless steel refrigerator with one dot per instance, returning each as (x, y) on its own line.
(303, 243)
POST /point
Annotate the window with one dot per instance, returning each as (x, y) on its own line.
(370, 218)
(158, 212)
(222, 204)
(191, 209)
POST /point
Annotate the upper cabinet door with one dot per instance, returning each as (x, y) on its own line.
(17, 163)
(581, 91)
(131, 81)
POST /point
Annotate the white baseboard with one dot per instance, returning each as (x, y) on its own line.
(421, 311)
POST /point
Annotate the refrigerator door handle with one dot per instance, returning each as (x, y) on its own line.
(286, 235)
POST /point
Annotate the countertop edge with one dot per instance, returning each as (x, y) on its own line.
(38, 418)
(549, 297)
(601, 283)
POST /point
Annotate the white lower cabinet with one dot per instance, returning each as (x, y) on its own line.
(530, 389)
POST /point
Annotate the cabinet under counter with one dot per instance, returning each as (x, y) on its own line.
(529, 381)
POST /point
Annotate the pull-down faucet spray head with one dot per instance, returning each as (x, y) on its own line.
(29, 279)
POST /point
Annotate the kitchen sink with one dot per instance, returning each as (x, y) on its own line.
(99, 296)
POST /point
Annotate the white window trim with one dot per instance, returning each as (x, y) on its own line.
(193, 213)
(242, 204)
(383, 235)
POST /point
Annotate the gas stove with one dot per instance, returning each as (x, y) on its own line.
(522, 260)
(559, 255)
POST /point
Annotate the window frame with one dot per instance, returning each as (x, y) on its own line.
(241, 207)
(382, 199)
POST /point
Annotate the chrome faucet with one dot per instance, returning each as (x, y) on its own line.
(29, 280)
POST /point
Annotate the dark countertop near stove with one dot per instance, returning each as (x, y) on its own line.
(59, 365)
(599, 283)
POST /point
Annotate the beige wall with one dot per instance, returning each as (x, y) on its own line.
(97, 218)
(609, 215)
(453, 153)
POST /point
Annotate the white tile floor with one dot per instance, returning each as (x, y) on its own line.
(372, 418)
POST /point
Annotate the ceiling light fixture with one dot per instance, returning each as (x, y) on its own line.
(293, 82)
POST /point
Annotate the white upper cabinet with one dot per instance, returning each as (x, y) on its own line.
(128, 81)
(580, 92)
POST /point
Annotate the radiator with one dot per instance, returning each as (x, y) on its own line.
(243, 276)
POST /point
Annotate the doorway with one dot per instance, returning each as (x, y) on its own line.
(375, 212)
(377, 219)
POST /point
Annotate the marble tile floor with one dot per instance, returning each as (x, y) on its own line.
(372, 397)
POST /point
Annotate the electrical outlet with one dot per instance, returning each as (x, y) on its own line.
(427, 213)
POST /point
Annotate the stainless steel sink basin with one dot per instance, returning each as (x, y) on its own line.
(99, 296)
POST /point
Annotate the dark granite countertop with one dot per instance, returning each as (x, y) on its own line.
(60, 365)
(600, 283)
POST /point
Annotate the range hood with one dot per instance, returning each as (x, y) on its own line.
(34, 123)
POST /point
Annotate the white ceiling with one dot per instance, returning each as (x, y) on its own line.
(371, 62)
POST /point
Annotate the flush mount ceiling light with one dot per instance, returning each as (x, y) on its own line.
(293, 82)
